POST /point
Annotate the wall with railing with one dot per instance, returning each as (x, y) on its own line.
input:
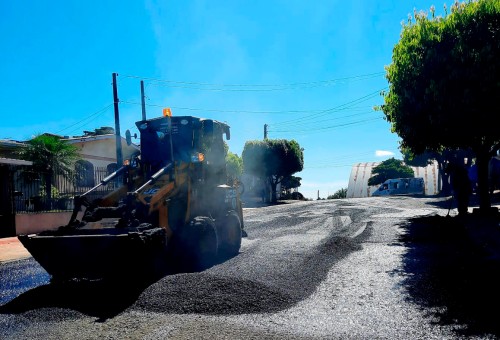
(30, 194)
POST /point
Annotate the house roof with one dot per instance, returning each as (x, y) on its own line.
(10, 144)
(89, 138)
(11, 161)
(79, 139)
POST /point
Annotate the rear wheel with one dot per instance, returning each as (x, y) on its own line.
(229, 233)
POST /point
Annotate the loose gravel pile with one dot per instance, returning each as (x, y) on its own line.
(203, 293)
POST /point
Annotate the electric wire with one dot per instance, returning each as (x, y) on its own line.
(253, 87)
(334, 109)
(301, 125)
(340, 161)
(308, 125)
(237, 110)
(328, 166)
(92, 115)
(327, 128)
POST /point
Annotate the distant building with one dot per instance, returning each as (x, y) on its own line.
(361, 172)
(96, 148)
(98, 159)
(21, 190)
(99, 152)
(9, 148)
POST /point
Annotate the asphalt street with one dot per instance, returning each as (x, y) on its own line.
(336, 269)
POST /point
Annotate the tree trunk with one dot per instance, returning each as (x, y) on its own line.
(274, 199)
(445, 180)
(482, 161)
(274, 184)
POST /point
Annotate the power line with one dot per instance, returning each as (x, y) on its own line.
(328, 166)
(220, 110)
(327, 111)
(322, 129)
(253, 87)
(92, 115)
(341, 157)
(236, 110)
(337, 161)
(305, 125)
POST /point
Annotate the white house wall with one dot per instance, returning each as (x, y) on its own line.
(101, 150)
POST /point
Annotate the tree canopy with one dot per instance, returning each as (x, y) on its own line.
(390, 168)
(341, 193)
(272, 159)
(443, 82)
(234, 166)
(290, 182)
(50, 154)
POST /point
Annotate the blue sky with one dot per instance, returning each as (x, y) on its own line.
(311, 70)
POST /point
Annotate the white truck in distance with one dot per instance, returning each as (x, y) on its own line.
(401, 186)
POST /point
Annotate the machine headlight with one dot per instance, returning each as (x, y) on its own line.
(198, 157)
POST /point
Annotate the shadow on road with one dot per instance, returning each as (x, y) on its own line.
(449, 202)
(102, 299)
(450, 275)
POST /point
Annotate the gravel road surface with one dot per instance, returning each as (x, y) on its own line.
(335, 269)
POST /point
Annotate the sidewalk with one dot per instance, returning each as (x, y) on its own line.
(11, 249)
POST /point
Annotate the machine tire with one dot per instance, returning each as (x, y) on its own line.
(196, 244)
(230, 233)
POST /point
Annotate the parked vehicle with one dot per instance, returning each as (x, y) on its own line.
(401, 186)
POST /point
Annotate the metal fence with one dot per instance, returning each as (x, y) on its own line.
(30, 188)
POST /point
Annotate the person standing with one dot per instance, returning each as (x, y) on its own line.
(461, 185)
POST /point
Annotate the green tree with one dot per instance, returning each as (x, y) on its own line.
(341, 193)
(443, 84)
(50, 155)
(421, 160)
(234, 167)
(443, 157)
(391, 168)
(290, 182)
(272, 160)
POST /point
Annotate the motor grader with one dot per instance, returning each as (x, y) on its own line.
(174, 206)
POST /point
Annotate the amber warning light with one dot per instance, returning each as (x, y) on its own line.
(167, 112)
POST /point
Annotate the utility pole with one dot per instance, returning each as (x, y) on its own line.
(265, 131)
(119, 155)
(143, 101)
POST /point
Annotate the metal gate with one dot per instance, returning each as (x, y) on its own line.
(7, 212)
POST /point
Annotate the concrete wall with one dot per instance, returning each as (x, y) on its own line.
(35, 223)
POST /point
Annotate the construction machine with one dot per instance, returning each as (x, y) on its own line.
(174, 205)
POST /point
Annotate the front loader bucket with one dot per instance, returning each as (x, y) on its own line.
(94, 256)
